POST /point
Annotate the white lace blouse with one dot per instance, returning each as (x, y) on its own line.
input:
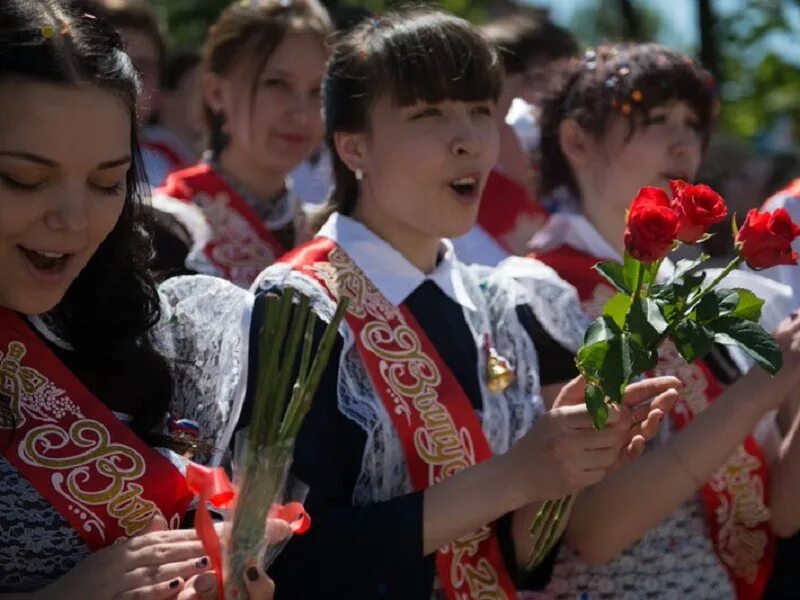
(204, 334)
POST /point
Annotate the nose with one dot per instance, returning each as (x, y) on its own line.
(686, 145)
(70, 209)
(466, 140)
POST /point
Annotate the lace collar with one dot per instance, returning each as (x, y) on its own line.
(275, 214)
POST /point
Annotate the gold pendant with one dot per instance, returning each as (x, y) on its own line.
(499, 374)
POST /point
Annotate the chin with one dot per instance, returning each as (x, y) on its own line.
(34, 303)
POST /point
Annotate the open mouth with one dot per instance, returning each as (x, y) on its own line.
(465, 187)
(45, 261)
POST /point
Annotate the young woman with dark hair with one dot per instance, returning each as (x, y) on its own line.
(428, 448)
(99, 369)
(690, 518)
(261, 71)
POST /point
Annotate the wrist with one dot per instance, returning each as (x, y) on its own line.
(513, 491)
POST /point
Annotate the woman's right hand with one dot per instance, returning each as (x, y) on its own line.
(563, 453)
(154, 565)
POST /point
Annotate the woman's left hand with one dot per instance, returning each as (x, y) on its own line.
(641, 413)
(204, 587)
(258, 584)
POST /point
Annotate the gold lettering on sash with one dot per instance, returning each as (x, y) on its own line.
(412, 378)
(115, 465)
(481, 579)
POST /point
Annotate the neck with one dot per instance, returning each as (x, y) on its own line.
(419, 249)
(263, 184)
(610, 225)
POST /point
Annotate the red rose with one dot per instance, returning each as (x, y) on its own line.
(651, 225)
(765, 240)
(698, 208)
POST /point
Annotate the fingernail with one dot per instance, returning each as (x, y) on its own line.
(252, 574)
(202, 563)
(174, 583)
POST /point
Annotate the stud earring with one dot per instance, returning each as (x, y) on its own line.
(359, 174)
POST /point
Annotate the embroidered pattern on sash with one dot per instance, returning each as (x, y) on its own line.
(75, 452)
(439, 439)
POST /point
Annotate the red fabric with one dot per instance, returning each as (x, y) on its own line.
(104, 480)
(241, 246)
(736, 499)
(506, 207)
(438, 427)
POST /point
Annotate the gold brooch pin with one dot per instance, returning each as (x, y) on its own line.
(499, 374)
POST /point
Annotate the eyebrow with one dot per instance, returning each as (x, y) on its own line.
(41, 160)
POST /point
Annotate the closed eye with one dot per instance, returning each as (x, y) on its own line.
(23, 186)
(427, 112)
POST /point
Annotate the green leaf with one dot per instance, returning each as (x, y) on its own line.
(749, 306)
(684, 266)
(718, 302)
(751, 338)
(613, 273)
(646, 321)
(596, 404)
(602, 328)
(590, 359)
(617, 308)
(692, 339)
(615, 364)
(630, 271)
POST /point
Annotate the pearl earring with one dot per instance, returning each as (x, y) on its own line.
(359, 174)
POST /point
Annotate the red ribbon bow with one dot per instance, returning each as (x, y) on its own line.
(212, 485)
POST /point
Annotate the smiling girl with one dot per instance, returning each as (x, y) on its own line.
(427, 449)
(692, 517)
(94, 359)
(261, 71)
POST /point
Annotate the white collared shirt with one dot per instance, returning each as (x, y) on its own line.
(388, 269)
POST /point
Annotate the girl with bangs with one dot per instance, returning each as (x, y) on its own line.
(429, 447)
(234, 213)
(694, 511)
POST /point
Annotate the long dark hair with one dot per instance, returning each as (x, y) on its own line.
(419, 55)
(113, 303)
(626, 79)
(254, 29)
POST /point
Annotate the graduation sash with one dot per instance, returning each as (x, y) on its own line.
(736, 497)
(508, 213)
(240, 246)
(105, 481)
(437, 425)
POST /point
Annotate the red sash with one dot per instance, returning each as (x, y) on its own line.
(508, 213)
(438, 427)
(104, 480)
(736, 498)
(240, 246)
(166, 151)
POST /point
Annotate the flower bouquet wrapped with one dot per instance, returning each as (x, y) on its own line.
(290, 366)
(622, 344)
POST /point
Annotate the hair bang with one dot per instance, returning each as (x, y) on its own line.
(428, 64)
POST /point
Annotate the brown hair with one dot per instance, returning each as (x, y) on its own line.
(415, 55)
(524, 39)
(620, 79)
(256, 29)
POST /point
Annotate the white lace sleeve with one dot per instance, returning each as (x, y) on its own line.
(554, 302)
(204, 334)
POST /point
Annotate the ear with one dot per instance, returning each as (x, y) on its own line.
(213, 87)
(576, 143)
(352, 149)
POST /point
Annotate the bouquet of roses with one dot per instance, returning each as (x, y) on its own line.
(623, 342)
(288, 375)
